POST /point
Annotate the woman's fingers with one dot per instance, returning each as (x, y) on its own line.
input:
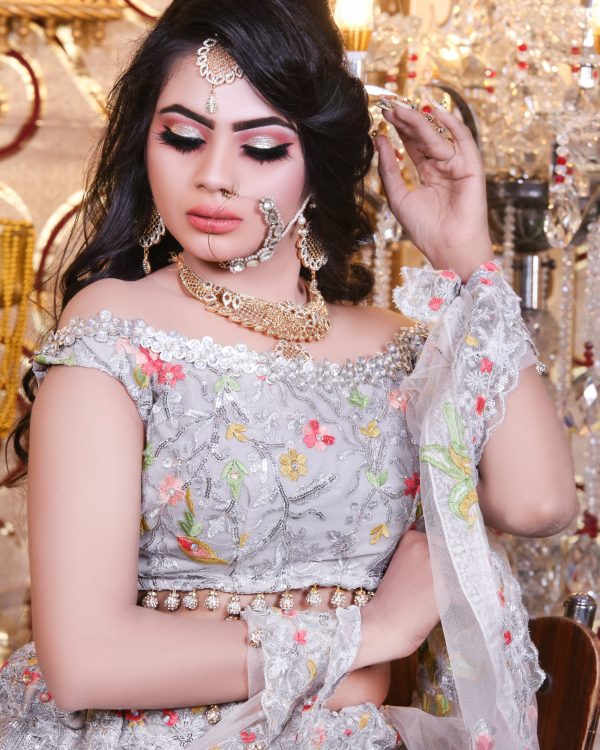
(420, 138)
(390, 172)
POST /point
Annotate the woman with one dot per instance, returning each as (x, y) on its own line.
(277, 487)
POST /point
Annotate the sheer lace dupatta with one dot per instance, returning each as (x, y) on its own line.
(454, 399)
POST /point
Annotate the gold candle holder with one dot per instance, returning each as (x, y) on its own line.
(356, 40)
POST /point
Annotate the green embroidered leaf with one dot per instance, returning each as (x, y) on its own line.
(358, 399)
(234, 473)
(196, 529)
(455, 427)
(140, 377)
(190, 526)
(377, 480)
(148, 456)
(438, 456)
(461, 498)
(227, 383)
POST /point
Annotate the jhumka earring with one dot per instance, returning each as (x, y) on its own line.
(154, 233)
(311, 254)
(218, 67)
(274, 236)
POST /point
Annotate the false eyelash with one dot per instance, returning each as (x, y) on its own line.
(268, 154)
(179, 142)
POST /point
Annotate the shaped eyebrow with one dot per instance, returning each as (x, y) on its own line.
(260, 122)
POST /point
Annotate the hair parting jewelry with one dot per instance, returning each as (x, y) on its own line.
(218, 67)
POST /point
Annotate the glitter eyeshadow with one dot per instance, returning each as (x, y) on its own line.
(186, 131)
(262, 141)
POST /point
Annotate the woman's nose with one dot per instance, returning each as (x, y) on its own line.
(216, 168)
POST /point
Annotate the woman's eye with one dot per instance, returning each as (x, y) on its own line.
(262, 154)
(184, 138)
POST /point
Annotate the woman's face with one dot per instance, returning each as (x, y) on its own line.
(193, 158)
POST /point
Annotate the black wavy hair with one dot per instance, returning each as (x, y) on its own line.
(292, 53)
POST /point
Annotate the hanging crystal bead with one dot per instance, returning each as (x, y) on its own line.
(234, 606)
(212, 601)
(313, 598)
(213, 714)
(259, 603)
(286, 601)
(190, 600)
(338, 598)
(361, 597)
(150, 600)
(173, 601)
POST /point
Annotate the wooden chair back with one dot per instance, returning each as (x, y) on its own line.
(569, 699)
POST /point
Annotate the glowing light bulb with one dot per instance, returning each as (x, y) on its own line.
(355, 19)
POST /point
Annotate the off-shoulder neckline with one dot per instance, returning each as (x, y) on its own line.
(165, 341)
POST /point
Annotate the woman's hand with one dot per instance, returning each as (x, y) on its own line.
(403, 611)
(446, 215)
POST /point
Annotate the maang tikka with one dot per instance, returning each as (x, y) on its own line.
(218, 67)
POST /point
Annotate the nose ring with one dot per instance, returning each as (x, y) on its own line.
(229, 194)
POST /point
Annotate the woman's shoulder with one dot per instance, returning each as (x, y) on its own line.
(121, 297)
(365, 321)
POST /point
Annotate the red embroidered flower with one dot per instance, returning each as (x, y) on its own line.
(171, 490)
(134, 717)
(248, 736)
(347, 732)
(300, 637)
(486, 365)
(170, 374)
(486, 281)
(288, 612)
(317, 435)
(310, 704)
(435, 303)
(153, 363)
(170, 717)
(397, 401)
(490, 266)
(45, 697)
(480, 405)
(412, 484)
(507, 637)
(30, 676)
(448, 275)
(484, 742)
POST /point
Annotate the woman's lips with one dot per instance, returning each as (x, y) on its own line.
(213, 219)
(213, 226)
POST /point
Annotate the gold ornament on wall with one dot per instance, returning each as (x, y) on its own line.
(16, 275)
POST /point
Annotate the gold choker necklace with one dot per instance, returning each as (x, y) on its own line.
(287, 321)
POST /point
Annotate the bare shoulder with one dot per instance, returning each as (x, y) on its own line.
(118, 296)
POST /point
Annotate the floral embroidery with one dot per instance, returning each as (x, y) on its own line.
(397, 401)
(244, 539)
(484, 742)
(486, 281)
(150, 364)
(170, 717)
(30, 676)
(358, 399)
(171, 490)
(371, 430)
(363, 721)
(471, 340)
(227, 383)
(312, 668)
(293, 465)
(234, 473)
(480, 405)
(435, 303)
(133, 718)
(300, 637)
(148, 456)
(455, 462)
(486, 365)
(379, 531)
(448, 275)
(236, 431)
(412, 484)
(317, 435)
(377, 480)
(191, 546)
(507, 637)
(310, 704)
(501, 598)
(247, 736)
